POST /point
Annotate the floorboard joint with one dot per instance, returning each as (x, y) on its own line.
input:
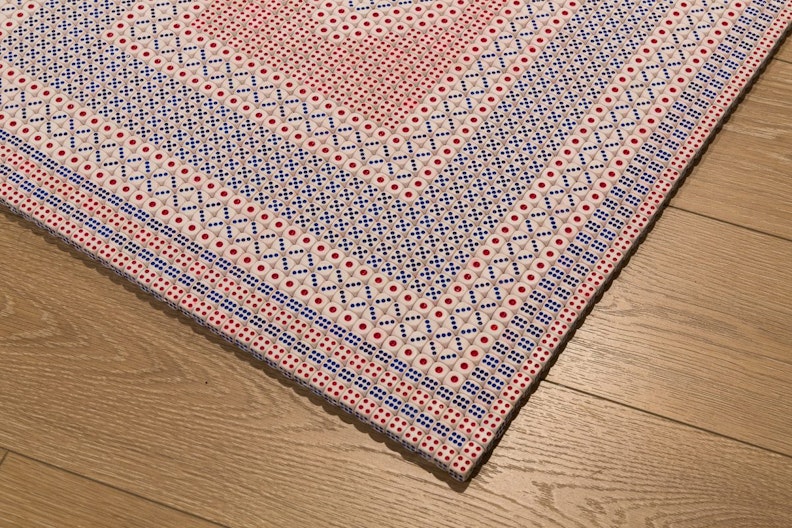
(114, 487)
(667, 418)
(727, 222)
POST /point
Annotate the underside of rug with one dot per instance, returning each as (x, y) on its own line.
(404, 206)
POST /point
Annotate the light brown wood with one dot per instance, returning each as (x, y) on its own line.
(785, 51)
(33, 494)
(744, 177)
(696, 328)
(176, 416)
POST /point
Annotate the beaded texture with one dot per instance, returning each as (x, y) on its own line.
(403, 206)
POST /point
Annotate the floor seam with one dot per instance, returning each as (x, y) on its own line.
(668, 418)
(112, 486)
(727, 222)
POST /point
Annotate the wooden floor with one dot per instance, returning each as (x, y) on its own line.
(672, 405)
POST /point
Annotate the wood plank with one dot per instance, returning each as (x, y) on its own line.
(784, 53)
(696, 328)
(34, 494)
(743, 177)
(98, 380)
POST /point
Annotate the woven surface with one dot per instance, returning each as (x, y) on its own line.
(404, 207)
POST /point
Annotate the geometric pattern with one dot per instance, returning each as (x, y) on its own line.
(404, 206)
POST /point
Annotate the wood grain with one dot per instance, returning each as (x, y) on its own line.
(33, 494)
(175, 415)
(743, 178)
(784, 52)
(696, 328)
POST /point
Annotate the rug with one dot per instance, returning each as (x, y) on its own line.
(405, 206)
